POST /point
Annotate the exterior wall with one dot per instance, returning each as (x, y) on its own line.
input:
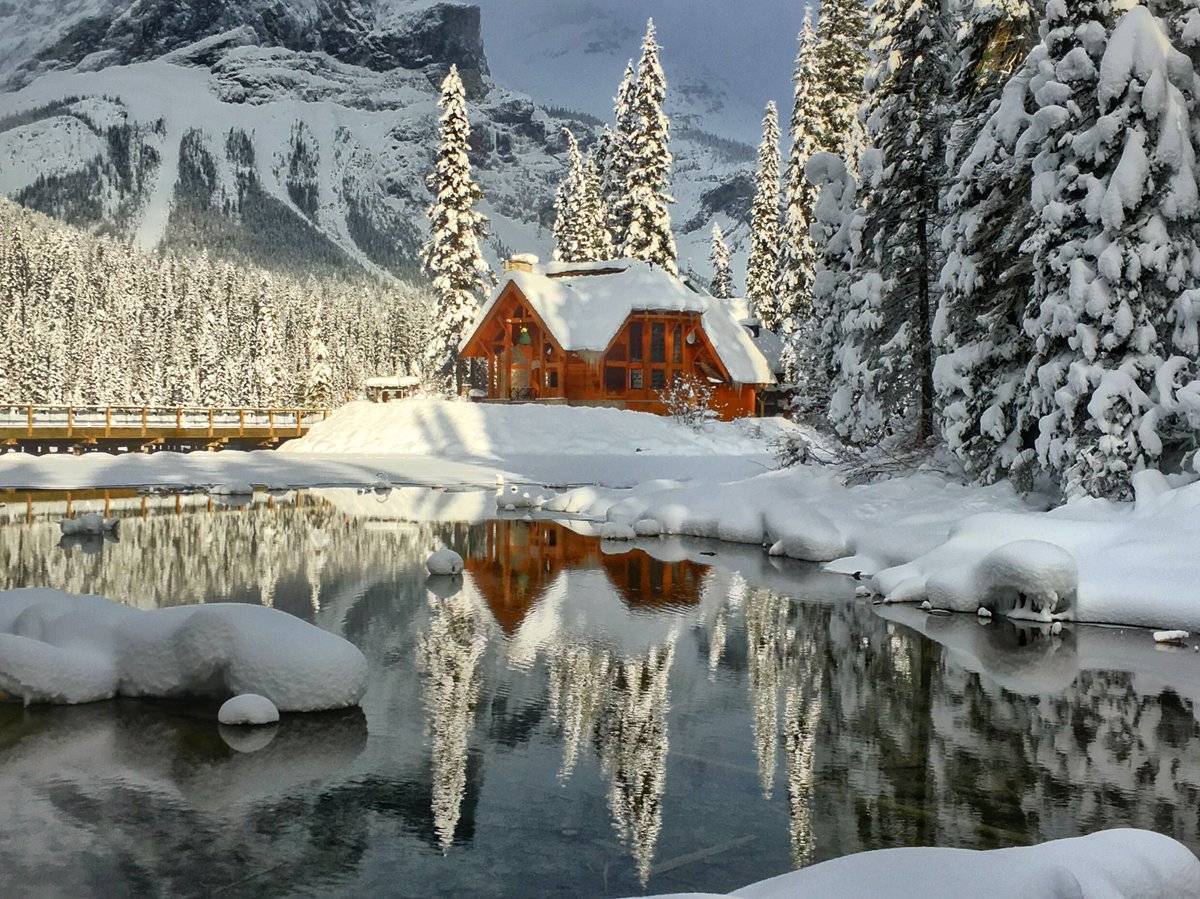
(525, 363)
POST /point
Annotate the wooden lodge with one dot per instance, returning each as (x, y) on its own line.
(612, 334)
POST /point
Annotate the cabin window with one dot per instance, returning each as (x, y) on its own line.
(637, 379)
(635, 341)
(677, 345)
(658, 378)
(614, 379)
(552, 379)
(658, 342)
(617, 353)
(520, 313)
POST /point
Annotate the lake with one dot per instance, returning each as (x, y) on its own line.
(571, 717)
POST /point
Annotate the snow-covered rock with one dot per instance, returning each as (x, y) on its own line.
(615, 530)
(232, 488)
(444, 562)
(64, 649)
(88, 524)
(248, 708)
(1111, 863)
(647, 527)
(1171, 636)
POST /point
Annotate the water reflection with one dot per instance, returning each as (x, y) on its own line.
(569, 718)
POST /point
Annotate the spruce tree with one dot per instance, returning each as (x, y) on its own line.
(1115, 245)
(722, 283)
(798, 258)
(841, 61)
(985, 281)
(762, 272)
(906, 89)
(649, 235)
(614, 156)
(453, 257)
(598, 241)
(569, 237)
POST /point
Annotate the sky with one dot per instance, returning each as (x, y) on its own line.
(749, 43)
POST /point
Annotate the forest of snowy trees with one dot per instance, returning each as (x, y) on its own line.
(85, 320)
(1000, 248)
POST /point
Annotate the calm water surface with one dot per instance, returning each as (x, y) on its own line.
(569, 718)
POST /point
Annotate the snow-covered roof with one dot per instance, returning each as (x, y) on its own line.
(392, 382)
(584, 305)
(768, 342)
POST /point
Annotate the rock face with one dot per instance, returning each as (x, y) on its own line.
(294, 134)
(369, 33)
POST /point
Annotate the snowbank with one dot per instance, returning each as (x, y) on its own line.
(454, 429)
(1111, 863)
(64, 649)
(926, 537)
(89, 524)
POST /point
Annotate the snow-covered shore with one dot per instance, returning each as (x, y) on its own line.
(921, 536)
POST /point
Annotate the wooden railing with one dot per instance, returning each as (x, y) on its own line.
(30, 421)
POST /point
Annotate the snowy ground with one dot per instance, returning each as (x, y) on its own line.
(918, 537)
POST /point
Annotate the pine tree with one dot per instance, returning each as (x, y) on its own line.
(985, 282)
(906, 88)
(581, 226)
(453, 256)
(841, 62)
(722, 283)
(1115, 244)
(318, 386)
(649, 235)
(798, 258)
(762, 272)
(615, 157)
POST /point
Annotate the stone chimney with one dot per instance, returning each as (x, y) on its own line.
(522, 262)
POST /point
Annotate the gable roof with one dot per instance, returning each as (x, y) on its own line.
(584, 305)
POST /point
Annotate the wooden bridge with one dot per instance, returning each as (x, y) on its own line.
(76, 429)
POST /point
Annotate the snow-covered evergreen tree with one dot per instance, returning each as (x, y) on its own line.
(615, 156)
(841, 52)
(1115, 245)
(649, 236)
(1182, 18)
(906, 89)
(814, 352)
(762, 270)
(722, 283)
(798, 256)
(581, 226)
(453, 256)
(318, 386)
(985, 282)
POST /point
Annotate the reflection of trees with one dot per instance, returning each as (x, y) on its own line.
(450, 652)
(633, 748)
(766, 638)
(255, 553)
(802, 715)
(580, 679)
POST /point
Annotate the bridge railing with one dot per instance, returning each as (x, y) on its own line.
(34, 420)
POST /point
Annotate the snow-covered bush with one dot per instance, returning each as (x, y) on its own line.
(688, 401)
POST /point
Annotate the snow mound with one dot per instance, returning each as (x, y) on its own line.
(1023, 579)
(64, 649)
(807, 535)
(233, 488)
(90, 523)
(613, 530)
(444, 562)
(1111, 863)
(426, 426)
(647, 527)
(1170, 636)
(248, 708)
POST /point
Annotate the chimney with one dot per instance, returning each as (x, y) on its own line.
(522, 262)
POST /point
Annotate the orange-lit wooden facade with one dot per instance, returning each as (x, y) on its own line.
(525, 363)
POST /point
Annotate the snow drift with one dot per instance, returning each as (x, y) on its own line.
(64, 649)
(1111, 863)
(455, 429)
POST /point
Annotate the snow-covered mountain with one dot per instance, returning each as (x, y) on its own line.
(297, 133)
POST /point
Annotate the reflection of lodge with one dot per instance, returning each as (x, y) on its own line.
(522, 559)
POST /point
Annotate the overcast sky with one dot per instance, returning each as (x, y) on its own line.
(751, 43)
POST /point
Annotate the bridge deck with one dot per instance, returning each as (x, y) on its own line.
(34, 428)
